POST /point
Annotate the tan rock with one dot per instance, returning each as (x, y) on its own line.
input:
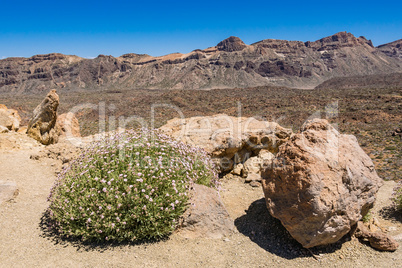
(237, 170)
(320, 184)
(9, 118)
(42, 125)
(3, 129)
(23, 129)
(252, 166)
(253, 177)
(68, 125)
(229, 139)
(206, 217)
(378, 240)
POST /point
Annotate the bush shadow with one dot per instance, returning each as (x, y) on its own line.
(268, 233)
(101, 246)
(391, 213)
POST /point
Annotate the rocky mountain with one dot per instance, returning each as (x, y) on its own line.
(393, 49)
(229, 64)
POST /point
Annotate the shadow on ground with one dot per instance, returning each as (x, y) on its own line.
(269, 234)
(65, 241)
(390, 213)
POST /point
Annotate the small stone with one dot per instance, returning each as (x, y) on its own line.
(253, 177)
(237, 170)
(255, 184)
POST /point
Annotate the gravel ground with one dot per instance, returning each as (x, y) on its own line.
(260, 241)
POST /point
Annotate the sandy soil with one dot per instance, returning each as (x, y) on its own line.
(260, 240)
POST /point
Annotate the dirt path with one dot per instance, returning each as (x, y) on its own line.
(260, 241)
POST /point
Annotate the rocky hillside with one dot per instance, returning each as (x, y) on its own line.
(231, 63)
(393, 80)
(393, 49)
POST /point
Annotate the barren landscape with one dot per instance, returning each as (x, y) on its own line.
(328, 116)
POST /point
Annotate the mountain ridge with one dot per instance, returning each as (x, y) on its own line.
(231, 63)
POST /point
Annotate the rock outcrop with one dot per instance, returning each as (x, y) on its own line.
(320, 184)
(230, 64)
(230, 140)
(393, 49)
(42, 125)
(231, 44)
(206, 216)
(9, 118)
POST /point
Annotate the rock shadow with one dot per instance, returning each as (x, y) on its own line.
(100, 246)
(391, 213)
(268, 233)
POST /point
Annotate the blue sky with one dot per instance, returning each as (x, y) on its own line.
(87, 28)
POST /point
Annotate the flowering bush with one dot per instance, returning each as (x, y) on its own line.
(131, 186)
(397, 196)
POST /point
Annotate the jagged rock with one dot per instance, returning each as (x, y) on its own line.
(9, 118)
(231, 44)
(393, 49)
(8, 191)
(230, 140)
(42, 125)
(206, 217)
(377, 240)
(320, 184)
(68, 125)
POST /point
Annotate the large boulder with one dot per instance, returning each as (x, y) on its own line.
(9, 118)
(320, 184)
(42, 125)
(206, 217)
(230, 140)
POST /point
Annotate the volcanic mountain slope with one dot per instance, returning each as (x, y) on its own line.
(229, 64)
(393, 49)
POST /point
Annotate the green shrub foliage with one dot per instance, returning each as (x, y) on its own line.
(131, 186)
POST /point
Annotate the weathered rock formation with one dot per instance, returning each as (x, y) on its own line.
(320, 184)
(230, 140)
(9, 119)
(206, 217)
(231, 63)
(393, 49)
(231, 44)
(42, 125)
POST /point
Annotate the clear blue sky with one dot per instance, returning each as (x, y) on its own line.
(88, 29)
